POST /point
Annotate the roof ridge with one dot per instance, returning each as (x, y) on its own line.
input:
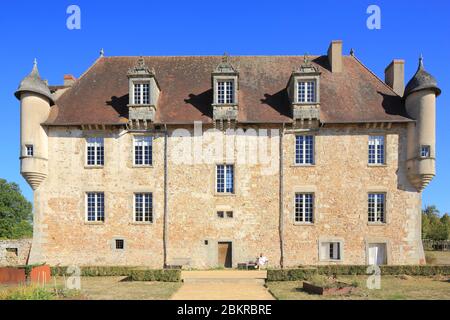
(373, 73)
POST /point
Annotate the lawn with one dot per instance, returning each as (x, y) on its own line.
(392, 287)
(95, 288)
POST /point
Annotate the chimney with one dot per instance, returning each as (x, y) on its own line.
(69, 80)
(335, 55)
(394, 76)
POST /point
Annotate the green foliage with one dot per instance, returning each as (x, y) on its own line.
(309, 273)
(27, 293)
(435, 227)
(172, 275)
(15, 212)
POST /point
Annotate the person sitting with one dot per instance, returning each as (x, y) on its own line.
(262, 261)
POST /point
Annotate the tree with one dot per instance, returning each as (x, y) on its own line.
(15, 212)
(435, 227)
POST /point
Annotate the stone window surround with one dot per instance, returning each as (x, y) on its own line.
(132, 81)
(105, 202)
(306, 132)
(86, 138)
(225, 194)
(140, 134)
(381, 134)
(381, 240)
(94, 134)
(233, 78)
(331, 239)
(113, 244)
(304, 189)
(301, 78)
(133, 218)
(378, 189)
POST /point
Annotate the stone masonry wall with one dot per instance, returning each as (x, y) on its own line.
(340, 180)
(14, 252)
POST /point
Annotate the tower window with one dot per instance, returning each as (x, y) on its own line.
(30, 150)
(425, 151)
(306, 91)
(141, 93)
(225, 91)
(376, 150)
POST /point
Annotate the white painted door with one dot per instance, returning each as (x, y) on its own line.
(377, 253)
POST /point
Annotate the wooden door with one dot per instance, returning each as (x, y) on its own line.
(225, 252)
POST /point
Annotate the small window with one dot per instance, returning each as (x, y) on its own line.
(12, 252)
(229, 214)
(225, 91)
(304, 207)
(225, 178)
(95, 205)
(141, 93)
(306, 91)
(376, 207)
(304, 149)
(425, 151)
(120, 244)
(225, 214)
(220, 214)
(330, 251)
(95, 152)
(30, 150)
(376, 150)
(143, 146)
(143, 207)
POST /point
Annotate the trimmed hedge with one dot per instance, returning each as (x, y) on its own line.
(133, 273)
(305, 273)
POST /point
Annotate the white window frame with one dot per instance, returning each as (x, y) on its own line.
(375, 208)
(304, 207)
(308, 83)
(96, 209)
(142, 139)
(303, 160)
(227, 83)
(143, 207)
(425, 151)
(375, 141)
(97, 143)
(28, 148)
(332, 246)
(225, 175)
(140, 84)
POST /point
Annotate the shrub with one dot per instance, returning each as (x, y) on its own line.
(172, 275)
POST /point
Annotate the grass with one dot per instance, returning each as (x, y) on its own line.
(94, 288)
(392, 288)
(438, 257)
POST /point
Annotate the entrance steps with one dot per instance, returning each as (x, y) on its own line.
(224, 276)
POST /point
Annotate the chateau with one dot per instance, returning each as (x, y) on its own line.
(207, 161)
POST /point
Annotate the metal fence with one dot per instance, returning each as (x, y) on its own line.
(437, 245)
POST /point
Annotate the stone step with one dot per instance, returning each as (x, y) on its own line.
(251, 281)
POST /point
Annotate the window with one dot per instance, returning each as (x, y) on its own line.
(376, 149)
(95, 204)
(95, 152)
(225, 214)
(376, 211)
(143, 150)
(143, 207)
(225, 178)
(330, 251)
(120, 244)
(225, 91)
(306, 91)
(141, 93)
(425, 151)
(304, 149)
(30, 150)
(304, 207)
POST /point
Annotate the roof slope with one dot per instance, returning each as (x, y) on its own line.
(100, 96)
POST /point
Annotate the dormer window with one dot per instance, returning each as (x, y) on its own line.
(141, 93)
(225, 91)
(306, 91)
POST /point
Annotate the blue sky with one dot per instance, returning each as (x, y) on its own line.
(38, 29)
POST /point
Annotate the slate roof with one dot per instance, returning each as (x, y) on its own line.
(100, 95)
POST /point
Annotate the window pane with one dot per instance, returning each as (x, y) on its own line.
(304, 149)
(220, 178)
(376, 207)
(229, 179)
(146, 93)
(143, 150)
(304, 204)
(148, 207)
(376, 149)
(137, 93)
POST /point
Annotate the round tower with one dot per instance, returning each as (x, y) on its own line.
(35, 101)
(420, 102)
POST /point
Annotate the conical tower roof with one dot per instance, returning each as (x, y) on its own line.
(421, 80)
(34, 83)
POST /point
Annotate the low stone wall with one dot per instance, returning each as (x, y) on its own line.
(14, 252)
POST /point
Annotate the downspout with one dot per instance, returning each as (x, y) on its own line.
(166, 218)
(281, 200)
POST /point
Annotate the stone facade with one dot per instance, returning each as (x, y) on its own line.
(340, 180)
(14, 252)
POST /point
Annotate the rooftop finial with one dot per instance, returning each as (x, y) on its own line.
(102, 52)
(352, 52)
(305, 59)
(35, 62)
(225, 57)
(421, 61)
